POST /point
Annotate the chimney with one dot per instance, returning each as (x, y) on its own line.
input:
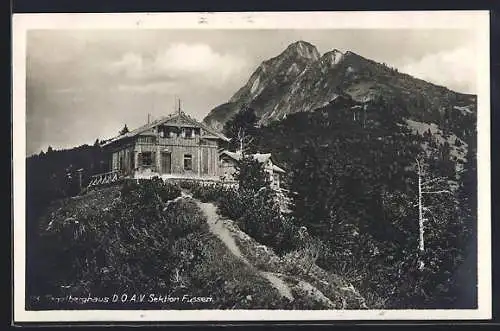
(149, 118)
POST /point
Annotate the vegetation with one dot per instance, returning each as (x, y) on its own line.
(255, 212)
(54, 175)
(250, 174)
(124, 130)
(354, 185)
(137, 239)
(242, 128)
(355, 188)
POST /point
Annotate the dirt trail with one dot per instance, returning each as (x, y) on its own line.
(279, 284)
(218, 228)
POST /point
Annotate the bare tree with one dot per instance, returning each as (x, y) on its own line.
(244, 140)
(311, 248)
(426, 186)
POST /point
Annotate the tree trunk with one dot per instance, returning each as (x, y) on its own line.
(420, 218)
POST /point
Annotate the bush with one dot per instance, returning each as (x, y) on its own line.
(255, 212)
(253, 205)
(143, 190)
(207, 192)
(134, 244)
(250, 174)
(262, 218)
(232, 204)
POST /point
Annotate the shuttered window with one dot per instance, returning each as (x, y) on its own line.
(146, 158)
(188, 162)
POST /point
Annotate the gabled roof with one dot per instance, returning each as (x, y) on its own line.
(262, 158)
(278, 169)
(233, 155)
(213, 134)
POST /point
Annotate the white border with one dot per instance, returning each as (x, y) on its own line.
(476, 20)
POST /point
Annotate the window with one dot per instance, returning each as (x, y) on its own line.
(146, 158)
(189, 133)
(188, 162)
(167, 131)
(121, 165)
(276, 181)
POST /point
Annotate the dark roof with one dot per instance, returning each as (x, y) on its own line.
(213, 134)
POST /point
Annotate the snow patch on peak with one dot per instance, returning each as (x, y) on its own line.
(332, 58)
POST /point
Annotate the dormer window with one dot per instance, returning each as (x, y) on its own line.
(167, 132)
(188, 133)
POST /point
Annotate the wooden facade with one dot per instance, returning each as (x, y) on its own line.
(176, 146)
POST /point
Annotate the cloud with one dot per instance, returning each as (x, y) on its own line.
(199, 59)
(133, 66)
(197, 63)
(66, 90)
(455, 69)
(152, 87)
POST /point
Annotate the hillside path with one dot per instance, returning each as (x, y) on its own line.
(218, 228)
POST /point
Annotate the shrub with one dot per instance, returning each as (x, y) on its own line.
(207, 192)
(259, 216)
(133, 244)
(232, 204)
(144, 190)
(250, 174)
(256, 212)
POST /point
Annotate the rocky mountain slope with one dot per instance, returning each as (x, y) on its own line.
(299, 79)
(272, 78)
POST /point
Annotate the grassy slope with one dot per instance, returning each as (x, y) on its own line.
(295, 270)
(218, 273)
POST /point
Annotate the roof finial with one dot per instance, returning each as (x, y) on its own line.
(179, 114)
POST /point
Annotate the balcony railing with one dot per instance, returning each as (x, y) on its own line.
(105, 178)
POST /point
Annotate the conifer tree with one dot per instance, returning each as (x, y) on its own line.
(124, 130)
(250, 174)
(242, 128)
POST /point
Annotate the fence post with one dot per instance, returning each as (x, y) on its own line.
(79, 171)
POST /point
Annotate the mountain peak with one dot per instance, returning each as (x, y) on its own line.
(332, 57)
(300, 79)
(303, 49)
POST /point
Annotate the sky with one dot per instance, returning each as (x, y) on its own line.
(86, 84)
